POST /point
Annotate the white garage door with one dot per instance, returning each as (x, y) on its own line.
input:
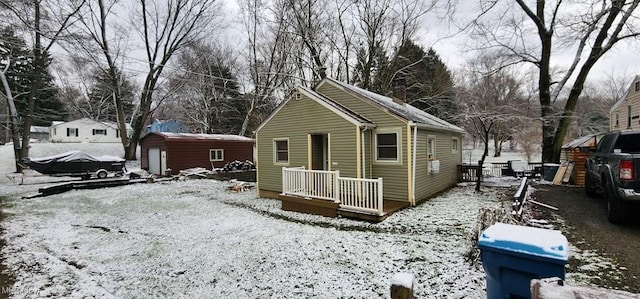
(154, 160)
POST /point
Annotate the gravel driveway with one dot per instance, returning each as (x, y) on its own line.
(585, 225)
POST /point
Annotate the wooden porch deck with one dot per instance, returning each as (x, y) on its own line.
(332, 209)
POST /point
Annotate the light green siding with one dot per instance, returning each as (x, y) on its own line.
(394, 177)
(429, 184)
(295, 120)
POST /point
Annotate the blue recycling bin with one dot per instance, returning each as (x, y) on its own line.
(513, 255)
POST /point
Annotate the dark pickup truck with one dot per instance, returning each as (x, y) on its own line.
(613, 171)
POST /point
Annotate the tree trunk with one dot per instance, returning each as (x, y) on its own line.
(35, 84)
(13, 125)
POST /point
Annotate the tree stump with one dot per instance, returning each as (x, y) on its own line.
(402, 286)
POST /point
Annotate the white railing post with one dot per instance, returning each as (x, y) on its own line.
(380, 197)
(285, 186)
(336, 186)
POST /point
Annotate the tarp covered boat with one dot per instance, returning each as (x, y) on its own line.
(77, 163)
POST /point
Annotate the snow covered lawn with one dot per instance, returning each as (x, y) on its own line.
(194, 238)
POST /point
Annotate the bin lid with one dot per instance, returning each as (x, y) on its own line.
(539, 242)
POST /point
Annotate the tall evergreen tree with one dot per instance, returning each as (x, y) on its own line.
(20, 78)
(101, 105)
(207, 91)
(427, 82)
(370, 67)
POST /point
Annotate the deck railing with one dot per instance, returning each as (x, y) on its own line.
(362, 195)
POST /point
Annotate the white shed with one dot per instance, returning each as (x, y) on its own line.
(84, 130)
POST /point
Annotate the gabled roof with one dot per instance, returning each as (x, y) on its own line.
(190, 136)
(624, 96)
(404, 111)
(344, 112)
(336, 107)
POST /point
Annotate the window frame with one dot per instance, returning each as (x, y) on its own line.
(99, 132)
(455, 144)
(398, 133)
(275, 152)
(629, 117)
(432, 156)
(72, 132)
(218, 158)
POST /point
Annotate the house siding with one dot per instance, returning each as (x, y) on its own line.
(430, 184)
(394, 176)
(295, 120)
(85, 128)
(632, 99)
(184, 153)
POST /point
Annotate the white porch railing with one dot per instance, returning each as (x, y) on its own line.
(361, 195)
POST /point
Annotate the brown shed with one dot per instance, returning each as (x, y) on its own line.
(160, 151)
(577, 151)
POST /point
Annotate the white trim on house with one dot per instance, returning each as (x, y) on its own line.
(275, 152)
(398, 159)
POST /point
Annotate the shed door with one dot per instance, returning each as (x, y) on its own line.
(154, 160)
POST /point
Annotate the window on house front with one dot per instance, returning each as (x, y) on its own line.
(454, 144)
(281, 151)
(388, 145)
(100, 132)
(117, 133)
(617, 120)
(637, 86)
(72, 132)
(628, 117)
(431, 147)
(216, 155)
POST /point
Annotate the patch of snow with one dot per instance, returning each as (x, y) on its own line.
(530, 240)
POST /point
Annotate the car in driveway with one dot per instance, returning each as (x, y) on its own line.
(613, 171)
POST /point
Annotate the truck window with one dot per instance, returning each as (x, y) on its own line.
(628, 143)
(604, 144)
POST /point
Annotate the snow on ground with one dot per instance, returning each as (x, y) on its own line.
(193, 238)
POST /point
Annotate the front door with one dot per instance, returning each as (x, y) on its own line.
(319, 152)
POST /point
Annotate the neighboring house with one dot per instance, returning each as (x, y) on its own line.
(84, 130)
(161, 151)
(172, 126)
(39, 133)
(625, 114)
(353, 152)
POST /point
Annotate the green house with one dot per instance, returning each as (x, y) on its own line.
(339, 149)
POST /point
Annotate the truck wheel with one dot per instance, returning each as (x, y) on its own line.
(588, 186)
(101, 174)
(615, 207)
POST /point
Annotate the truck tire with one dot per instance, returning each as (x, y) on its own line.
(101, 174)
(615, 207)
(589, 189)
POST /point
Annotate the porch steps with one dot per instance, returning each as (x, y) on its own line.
(332, 209)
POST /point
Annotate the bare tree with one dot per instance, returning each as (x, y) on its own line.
(46, 24)
(487, 103)
(207, 90)
(537, 32)
(165, 28)
(13, 115)
(267, 60)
